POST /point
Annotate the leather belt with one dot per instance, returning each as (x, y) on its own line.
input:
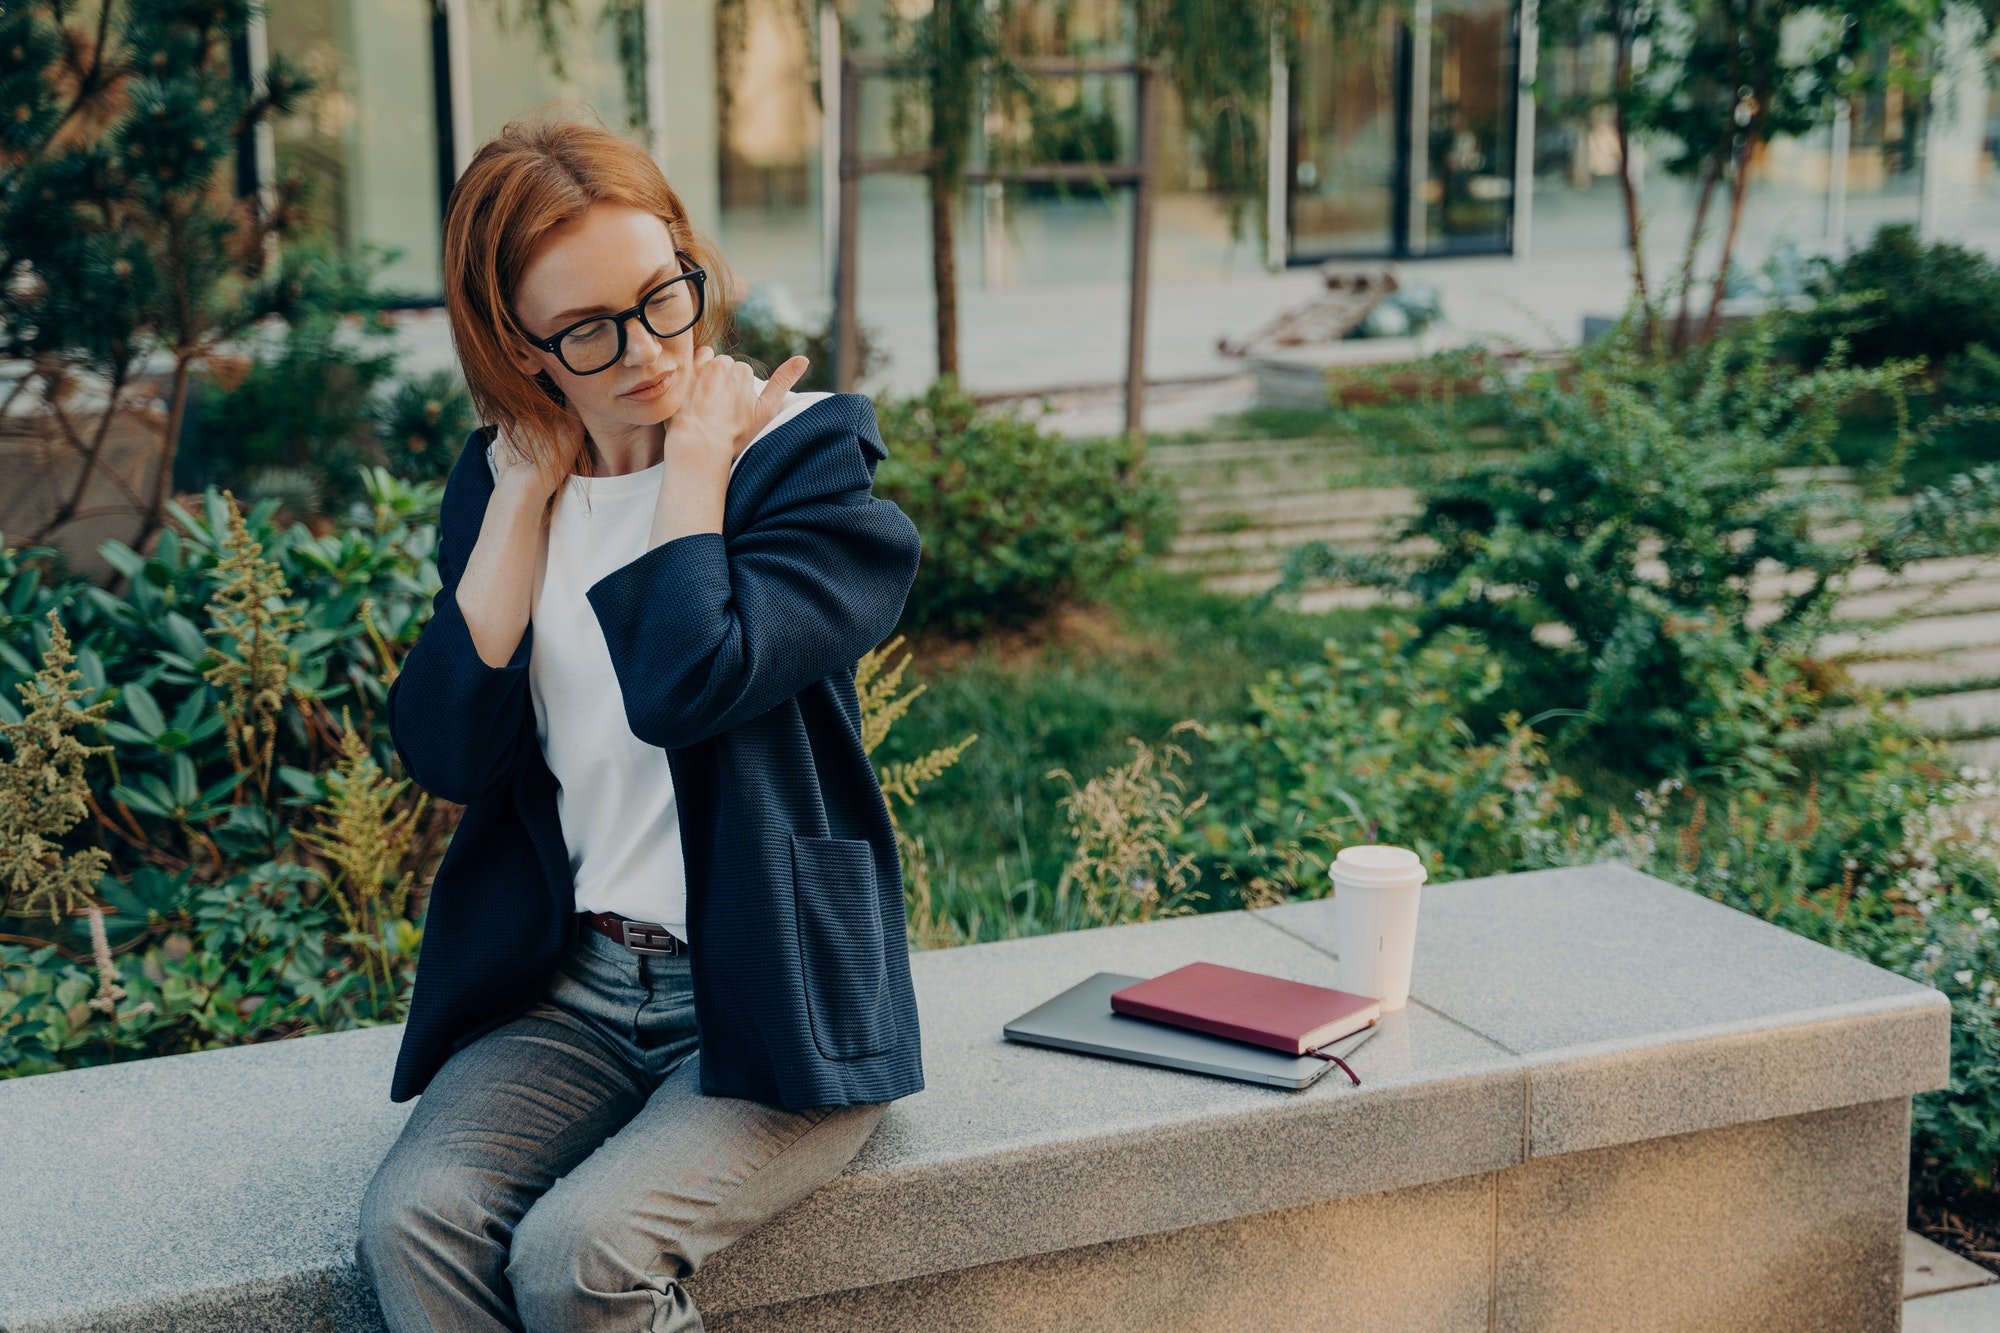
(638, 936)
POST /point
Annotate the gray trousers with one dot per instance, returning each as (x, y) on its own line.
(565, 1172)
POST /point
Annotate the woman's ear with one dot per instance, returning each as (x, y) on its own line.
(523, 358)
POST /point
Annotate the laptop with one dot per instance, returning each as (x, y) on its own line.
(1081, 1019)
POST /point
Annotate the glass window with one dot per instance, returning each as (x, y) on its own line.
(1343, 152)
(366, 140)
(1468, 185)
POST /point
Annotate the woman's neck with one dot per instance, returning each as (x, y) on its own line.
(617, 448)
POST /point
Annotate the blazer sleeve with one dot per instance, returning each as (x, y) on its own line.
(458, 724)
(705, 634)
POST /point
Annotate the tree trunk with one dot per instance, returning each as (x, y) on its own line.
(1739, 190)
(1634, 238)
(169, 445)
(1708, 183)
(944, 276)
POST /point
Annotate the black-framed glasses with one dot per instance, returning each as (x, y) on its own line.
(598, 342)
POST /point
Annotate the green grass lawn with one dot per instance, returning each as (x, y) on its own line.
(1156, 649)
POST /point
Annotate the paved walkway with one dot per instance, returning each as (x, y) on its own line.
(1028, 340)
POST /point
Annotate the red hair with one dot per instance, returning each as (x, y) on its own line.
(534, 175)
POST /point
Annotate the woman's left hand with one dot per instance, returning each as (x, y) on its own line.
(725, 410)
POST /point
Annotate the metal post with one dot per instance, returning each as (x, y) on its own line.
(1142, 234)
(1528, 64)
(458, 62)
(993, 195)
(264, 141)
(847, 327)
(653, 20)
(831, 86)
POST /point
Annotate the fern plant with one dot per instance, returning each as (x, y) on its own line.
(877, 684)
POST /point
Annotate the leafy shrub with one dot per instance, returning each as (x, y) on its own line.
(257, 854)
(1901, 297)
(1646, 504)
(1014, 520)
(422, 424)
(320, 399)
(1372, 744)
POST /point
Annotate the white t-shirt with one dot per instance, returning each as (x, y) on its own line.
(615, 796)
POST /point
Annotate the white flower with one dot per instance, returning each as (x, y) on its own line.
(1963, 977)
(1981, 913)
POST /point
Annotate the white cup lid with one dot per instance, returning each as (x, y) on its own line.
(1377, 865)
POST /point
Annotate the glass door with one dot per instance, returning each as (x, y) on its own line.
(1465, 196)
(1346, 141)
(1402, 136)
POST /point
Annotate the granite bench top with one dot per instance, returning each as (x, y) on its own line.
(1550, 1012)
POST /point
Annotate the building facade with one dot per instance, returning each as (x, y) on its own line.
(1414, 138)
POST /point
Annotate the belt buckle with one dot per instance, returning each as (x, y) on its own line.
(666, 943)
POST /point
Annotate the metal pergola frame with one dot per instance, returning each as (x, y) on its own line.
(1139, 175)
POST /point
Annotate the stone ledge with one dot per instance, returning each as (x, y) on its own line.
(1552, 1012)
(1641, 1009)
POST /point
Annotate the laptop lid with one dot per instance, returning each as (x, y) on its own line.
(1081, 1019)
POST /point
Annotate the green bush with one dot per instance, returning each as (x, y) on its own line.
(1014, 520)
(1901, 297)
(1645, 506)
(422, 425)
(1372, 744)
(321, 398)
(260, 857)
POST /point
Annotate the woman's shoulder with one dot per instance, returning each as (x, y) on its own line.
(466, 489)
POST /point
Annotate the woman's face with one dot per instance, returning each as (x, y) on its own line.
(603, 262)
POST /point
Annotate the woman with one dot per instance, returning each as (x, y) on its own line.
(663, 993)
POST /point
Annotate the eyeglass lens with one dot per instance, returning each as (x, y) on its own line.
(672, 310)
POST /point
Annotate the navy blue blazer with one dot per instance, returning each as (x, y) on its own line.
(735, 652)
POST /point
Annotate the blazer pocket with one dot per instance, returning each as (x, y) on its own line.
(841, 946)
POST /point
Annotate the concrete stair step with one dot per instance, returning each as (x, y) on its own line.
(1970, 1310)
(1245, 492)
(1945, 668)
(1923, 634)
(1360, 529)
(1290, 508)
(1210, 453)
(1969, 713)
(1983, 753)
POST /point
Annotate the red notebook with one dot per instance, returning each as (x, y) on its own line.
(1289, 1016)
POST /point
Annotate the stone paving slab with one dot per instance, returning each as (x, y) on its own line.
(1645, 1009)
(1974, 1310)
(1984, 753)
(1946, 668)
(1923, 634)
(1929, 1268)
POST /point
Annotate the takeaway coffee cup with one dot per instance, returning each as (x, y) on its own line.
(1375, 891)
